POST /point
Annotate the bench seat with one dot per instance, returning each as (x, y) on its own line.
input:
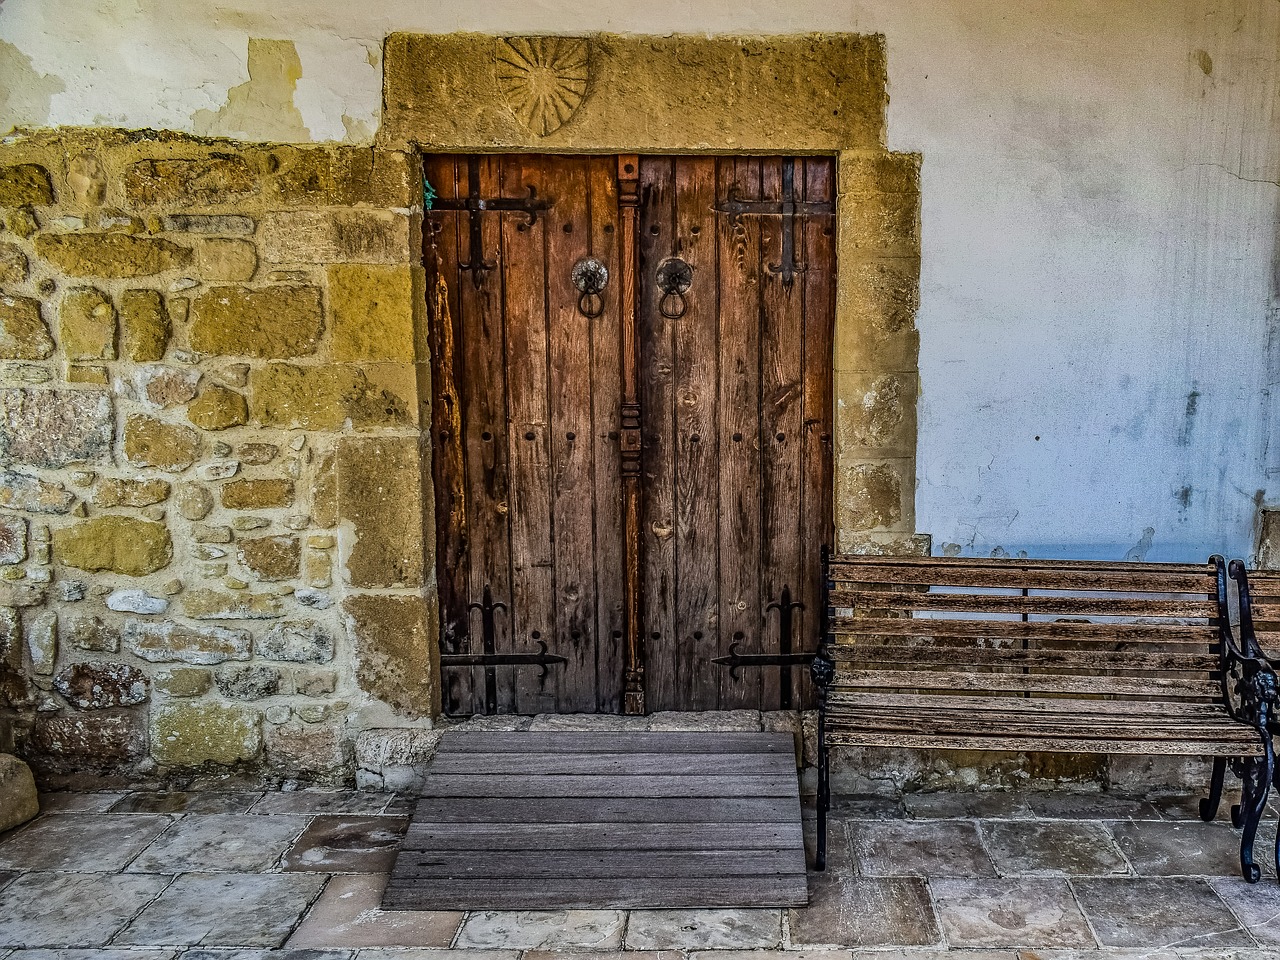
(1042, 655)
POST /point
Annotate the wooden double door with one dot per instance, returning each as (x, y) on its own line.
(631, 423)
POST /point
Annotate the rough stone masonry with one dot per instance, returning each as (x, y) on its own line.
(211, 497)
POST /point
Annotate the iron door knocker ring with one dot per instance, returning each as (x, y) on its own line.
(675, 277)
(590, 276)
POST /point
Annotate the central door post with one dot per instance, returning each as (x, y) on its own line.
(629, 209)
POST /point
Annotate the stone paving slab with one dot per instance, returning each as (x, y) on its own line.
(72, 910)
(177, 801)
(348, 914)
(1023, 912)
(543, 929)
(1091, 806)
(384, 953)
(222, 953)
(1181, 849)
(996, 804)
(308, 802)
(1171, 911)
(865, 911)
(81, 842)
(925, 848)
(63, 801)
(1053, 848)
(226, 843)
(745, 929)
(344, 844)
(75, 954)
(222, 909)
(7, 877)
(1256, 905)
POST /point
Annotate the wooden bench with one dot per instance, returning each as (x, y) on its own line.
(1034, 655)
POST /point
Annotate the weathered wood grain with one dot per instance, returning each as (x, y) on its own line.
(623, 893)
(673, 810)
(603, 836)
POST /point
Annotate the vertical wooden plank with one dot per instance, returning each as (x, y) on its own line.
(696, 372)
(781, 433)
(448, 462)
(606, 426)
(819, 324)
(528, 503)
(483, 393)
(657, 221)
(568, 238)
(738, 240)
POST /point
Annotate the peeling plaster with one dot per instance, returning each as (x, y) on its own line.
(25, 92)
(262, 108)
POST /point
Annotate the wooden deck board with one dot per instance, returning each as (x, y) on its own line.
(604, 821)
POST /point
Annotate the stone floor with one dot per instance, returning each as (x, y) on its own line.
(246, 875)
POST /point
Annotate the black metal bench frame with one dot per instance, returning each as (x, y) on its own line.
(1249, 694)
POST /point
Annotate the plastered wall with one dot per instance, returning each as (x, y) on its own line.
(1098, 286)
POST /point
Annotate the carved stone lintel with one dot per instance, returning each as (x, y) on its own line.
(543, 79)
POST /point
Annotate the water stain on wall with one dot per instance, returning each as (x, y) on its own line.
(263, 107)
(25, 93)
(1138, 552)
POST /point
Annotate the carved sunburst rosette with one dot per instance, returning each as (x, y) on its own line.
(544, 79)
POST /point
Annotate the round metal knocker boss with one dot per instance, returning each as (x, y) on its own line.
(675, 277)
(590, 276)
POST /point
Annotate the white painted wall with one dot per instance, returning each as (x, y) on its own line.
(1100, 286)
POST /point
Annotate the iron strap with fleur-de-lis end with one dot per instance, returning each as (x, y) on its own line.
(788, 208)
(474, 204)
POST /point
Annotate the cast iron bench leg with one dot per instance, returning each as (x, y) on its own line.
(1209, 804)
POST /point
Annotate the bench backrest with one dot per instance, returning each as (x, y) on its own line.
(1264, 602)
(1026, 628)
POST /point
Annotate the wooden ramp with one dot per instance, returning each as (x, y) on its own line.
(541, 821)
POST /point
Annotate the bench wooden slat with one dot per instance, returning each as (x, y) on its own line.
(844, 561)
(1116, 711)
(1078, 631)
(1028, 683)
(1185, 748)
(988, 603)
(1037, 658)
(1035, 579)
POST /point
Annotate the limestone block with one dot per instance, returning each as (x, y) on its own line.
(234, 224)
(87, 325)
(206, 533)
(174, 642)
(144, 326)
(23, 184)
(371, 311)
(18, 800)
(190, 734)
(263, 494)
(297, 641)
(100, 685)
(183, 681)
(197, 181)
(314, 683)
(87, 180)
(18, 491)
(165, 387)
(41, 632)
(877, 301)
(14, 683)
(23, 334)
(207, 604)
(13, 539)
(54, 428)
(247, 681)
(876, 414)
(112, 255)
(342, 176)
(380, 494)
(87, 741)
(257, 454)
(88, 373)
(271, 558)
(325, 398)
(335, 236)
(136, 601)
(85, 632)
(123, 545)
(22, 222)
(128, 492)
(13, 263)
(221, 259)
(193, 501)
(223, 470)
(153, 443)
(324, 496)
(218, 408)
(316, 750)
(272, 323)
(395, 649)
(875, 494)
(878, 225)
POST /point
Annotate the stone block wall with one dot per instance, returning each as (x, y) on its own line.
(211, 496)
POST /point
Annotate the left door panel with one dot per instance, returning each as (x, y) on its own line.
(525, 431)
